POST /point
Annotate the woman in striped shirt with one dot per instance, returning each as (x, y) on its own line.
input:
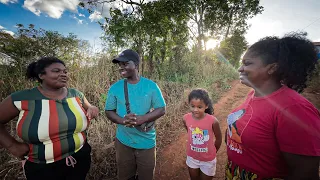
(52, 122)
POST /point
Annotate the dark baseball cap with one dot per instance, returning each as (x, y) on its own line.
(127, 55)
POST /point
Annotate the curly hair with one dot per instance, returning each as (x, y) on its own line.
(295, 55)
(203, 95)
(37, 67)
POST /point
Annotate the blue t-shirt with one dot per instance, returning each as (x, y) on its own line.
(143, 96)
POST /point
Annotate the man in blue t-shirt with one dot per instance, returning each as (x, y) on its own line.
(135, 143)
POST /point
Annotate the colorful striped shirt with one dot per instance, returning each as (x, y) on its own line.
(53, 129)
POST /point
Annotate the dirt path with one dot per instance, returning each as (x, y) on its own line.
(171, 164)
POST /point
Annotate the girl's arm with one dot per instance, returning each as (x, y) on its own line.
(185, 125)
(217, 132)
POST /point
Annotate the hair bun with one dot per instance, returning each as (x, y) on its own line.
(31, 71)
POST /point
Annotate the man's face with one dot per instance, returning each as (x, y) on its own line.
(127, 69)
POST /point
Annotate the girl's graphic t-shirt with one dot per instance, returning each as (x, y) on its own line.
(262, 128)
(200, 144)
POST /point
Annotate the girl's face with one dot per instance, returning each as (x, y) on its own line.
(197, 108)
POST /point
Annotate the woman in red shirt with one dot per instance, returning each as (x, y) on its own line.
(275, 133)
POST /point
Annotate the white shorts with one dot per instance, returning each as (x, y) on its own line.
(207, 167)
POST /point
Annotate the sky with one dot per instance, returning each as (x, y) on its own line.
(63, 16)
(279, 17)
(282, 16)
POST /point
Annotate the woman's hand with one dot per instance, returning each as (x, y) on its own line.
(92, 112)
(19, 149)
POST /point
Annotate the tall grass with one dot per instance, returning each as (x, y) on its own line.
(94, 81)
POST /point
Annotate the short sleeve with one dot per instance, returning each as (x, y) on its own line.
(14, 97)
(81, 96)
(184, 118)
(111, 101)
(157, 98)
(298, 130)
(76, 93)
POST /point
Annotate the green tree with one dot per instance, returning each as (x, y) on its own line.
(233, 47)
(160, 30)
(157, 30)
(27, 45)
(215, 19)
(30, 43)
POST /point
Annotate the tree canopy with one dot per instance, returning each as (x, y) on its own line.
(162, 30)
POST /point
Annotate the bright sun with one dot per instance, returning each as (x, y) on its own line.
(211, 43)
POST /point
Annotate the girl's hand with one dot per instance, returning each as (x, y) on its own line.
(19, 149)
(92, 112)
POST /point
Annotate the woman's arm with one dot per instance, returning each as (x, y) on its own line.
(217, 132)
(226, 136)
(7, 112)
(92, 111)
(297, 134)
(302, 167)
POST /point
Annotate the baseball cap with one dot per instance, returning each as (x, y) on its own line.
(127, 55)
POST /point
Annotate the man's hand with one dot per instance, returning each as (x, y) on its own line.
(140, 120)
(130, 120)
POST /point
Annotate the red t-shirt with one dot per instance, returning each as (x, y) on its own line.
(200, 144)
(263, 127)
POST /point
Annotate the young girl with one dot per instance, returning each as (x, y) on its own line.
(202, 126)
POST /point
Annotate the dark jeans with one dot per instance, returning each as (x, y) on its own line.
(59, 170)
